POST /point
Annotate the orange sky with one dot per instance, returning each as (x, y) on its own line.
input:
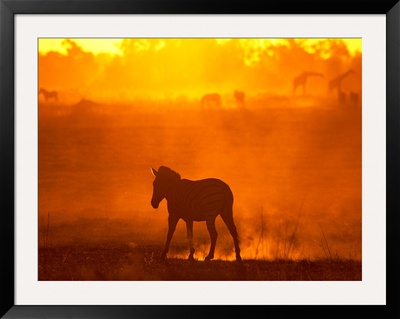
(110, 46)
(121, 70)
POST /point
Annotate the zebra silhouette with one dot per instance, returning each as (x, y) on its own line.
(239, 98)
(49, 94)
(212, 100)
(201, 200)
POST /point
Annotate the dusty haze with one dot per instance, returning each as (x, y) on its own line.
(292, 160)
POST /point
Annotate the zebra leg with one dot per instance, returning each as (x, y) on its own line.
(213, 235)
(228, 220)
(172, 221)
(189, 228)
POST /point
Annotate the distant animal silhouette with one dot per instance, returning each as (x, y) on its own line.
(353, 98)
(336, 83)
(301, 80)
(48, 95)
(201, 200)
(239, 98)
(212, 100)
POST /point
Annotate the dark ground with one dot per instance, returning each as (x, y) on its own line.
(122, 262)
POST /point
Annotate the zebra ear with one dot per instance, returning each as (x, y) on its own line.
(153, 171)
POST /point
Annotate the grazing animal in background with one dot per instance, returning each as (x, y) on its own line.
(239, 98)
(201, 200)
(301, 80)
(212, 100)
(48, 95)
(336, 83)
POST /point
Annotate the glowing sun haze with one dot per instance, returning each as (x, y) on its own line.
(278, 120)
(112, 45)
(123, 70)
(95, 46)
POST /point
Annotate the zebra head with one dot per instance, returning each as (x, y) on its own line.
(158, 194)
(165, 178)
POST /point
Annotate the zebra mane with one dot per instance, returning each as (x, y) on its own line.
(168, 173)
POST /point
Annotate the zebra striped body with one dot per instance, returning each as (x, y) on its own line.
(201, 200)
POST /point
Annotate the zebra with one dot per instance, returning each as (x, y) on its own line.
(239, 98)
(49, 94)
(212, 100)
(200, 200)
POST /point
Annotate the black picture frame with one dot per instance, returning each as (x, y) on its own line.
(8, 10)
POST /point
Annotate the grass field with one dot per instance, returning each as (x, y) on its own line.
(115, 258)
(143, 263)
